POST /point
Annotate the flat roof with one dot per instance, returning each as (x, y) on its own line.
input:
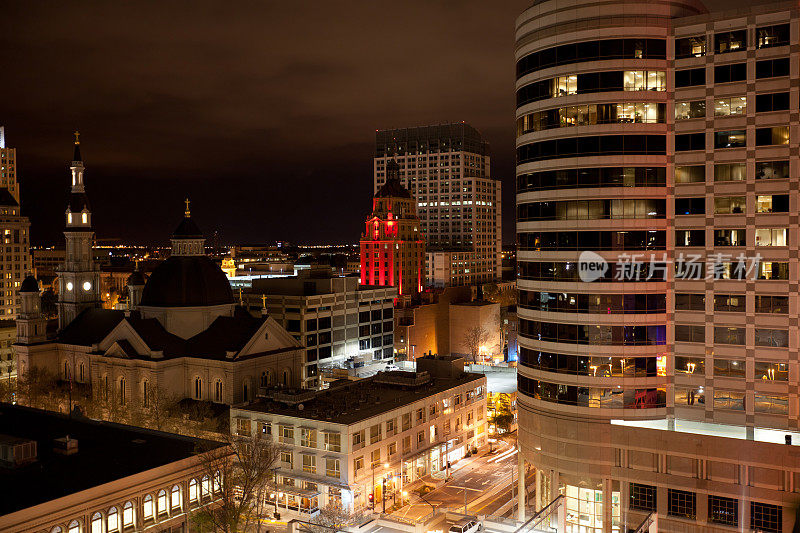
(106, 452)
(355, 401)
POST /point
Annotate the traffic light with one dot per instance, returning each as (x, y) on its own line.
(371, 497)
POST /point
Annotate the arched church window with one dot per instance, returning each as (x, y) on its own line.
(82, 372)
(175, 497)
(127, 514)
(161, 502)
(145, 393)
(265, 378)
(74, 527)
(113, 520)
(198, 388)
(218, 391)
(147, 507)
(193, 490)
(84, 218)
(122, 398)
(96, 525)
(286, 377)
(66, 371)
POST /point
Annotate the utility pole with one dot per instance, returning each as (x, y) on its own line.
(383, 493)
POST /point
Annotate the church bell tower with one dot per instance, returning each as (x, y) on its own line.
(79, 278)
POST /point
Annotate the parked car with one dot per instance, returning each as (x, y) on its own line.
(466, 525)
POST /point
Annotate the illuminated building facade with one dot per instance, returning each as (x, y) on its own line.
(661, 130)
(447, 169)
(392, 246)
(408, 425)
(15, 259)
(335, 318)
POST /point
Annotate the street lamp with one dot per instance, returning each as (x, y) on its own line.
(385, 465)
(383, 493)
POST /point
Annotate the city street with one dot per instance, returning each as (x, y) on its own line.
(484, 481)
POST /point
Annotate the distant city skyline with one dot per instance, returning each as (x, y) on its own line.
(234, 110)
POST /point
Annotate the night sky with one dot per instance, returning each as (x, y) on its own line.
(263, 113)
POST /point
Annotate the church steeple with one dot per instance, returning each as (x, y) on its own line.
(79, 278)
(76, 153)
(77, 165)
(187, 239)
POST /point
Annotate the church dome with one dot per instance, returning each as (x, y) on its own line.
(187, 229)
(187, 281)
(29, 284)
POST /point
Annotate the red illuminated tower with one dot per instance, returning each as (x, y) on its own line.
(392, 247)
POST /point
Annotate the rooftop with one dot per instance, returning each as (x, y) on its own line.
(106, 452)
(350, 402)
(225, 334)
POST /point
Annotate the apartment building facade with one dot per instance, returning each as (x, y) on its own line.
(358, 443)
(447, 169)
(663, 135)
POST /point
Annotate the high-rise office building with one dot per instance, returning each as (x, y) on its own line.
(659, 374)
(446, 168)
(15, 258)
(8, 169)
(392, 245)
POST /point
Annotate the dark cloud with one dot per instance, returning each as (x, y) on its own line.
(263, 112)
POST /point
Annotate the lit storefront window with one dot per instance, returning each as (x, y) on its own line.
(585, 510)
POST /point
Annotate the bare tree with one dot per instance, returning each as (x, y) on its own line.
(160, 409)
(39, 388)
(8, 390)
(474, 338)
(332, 518)
(241, 474)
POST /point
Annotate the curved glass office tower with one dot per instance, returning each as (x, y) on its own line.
(658, 355)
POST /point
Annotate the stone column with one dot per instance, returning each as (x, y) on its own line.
(744, 515)
(554, 486)
(624, 501)
(520, 487)
(606, 505)
(537, 496)
(701, 510)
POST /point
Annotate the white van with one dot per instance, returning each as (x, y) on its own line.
(466, 525)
